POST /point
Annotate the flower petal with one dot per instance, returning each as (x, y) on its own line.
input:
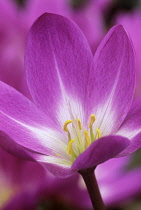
(56, 165)
(118, 164)
(59, 170)
(13, 148)
(111, 81)
(26, 124)
(132, 23)
(57, 61)
(131, 129)
(99, 151)
(127, 191)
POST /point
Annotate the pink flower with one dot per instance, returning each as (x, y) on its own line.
(81, 113)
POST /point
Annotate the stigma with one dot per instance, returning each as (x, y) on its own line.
(80, 138)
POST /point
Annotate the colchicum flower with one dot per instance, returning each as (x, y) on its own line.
(81, 113)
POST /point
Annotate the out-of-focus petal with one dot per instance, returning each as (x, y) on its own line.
(118, 165)
(35, 8)
(127, 187)
(90, 19)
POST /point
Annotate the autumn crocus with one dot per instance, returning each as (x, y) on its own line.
(80, 116)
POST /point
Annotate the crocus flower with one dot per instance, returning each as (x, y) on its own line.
(80, 116)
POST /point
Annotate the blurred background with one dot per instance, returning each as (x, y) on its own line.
(25, 185)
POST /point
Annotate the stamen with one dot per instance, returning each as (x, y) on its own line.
(66, 124)
(87, 138)
(98, 133)
(92, 120)
(82, 137)
(79, 124)
(69, 149)
(57, 154)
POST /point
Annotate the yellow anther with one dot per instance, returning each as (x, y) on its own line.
(57, 154)
(66, 124)
(69, 149)
(87, 138)
(92, 120)
(79, 124)
(98, 133)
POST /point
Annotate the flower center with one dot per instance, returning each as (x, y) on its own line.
(78, 138)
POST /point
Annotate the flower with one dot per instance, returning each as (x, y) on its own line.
(80, 116)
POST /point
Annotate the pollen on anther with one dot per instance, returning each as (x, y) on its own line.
(69, 149)
(79, 124)
(98, 133)
(87, 138)
(92, 120)
(57, 154)
(66, 124)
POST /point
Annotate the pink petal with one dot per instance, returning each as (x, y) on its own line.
(26, 124)
(53, 164)
(131, 129)
(100, 150)
(58, 60)
(111, 81)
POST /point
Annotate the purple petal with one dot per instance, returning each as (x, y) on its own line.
(100, 151)
(20, 172)
(57, 167)
(59, 170)
(131, 129)
(111, 81)
(12, 38)
(13, 148)
(132, 23)
(117, 168)
(58, 60)
(131, 187)
(26, 124)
